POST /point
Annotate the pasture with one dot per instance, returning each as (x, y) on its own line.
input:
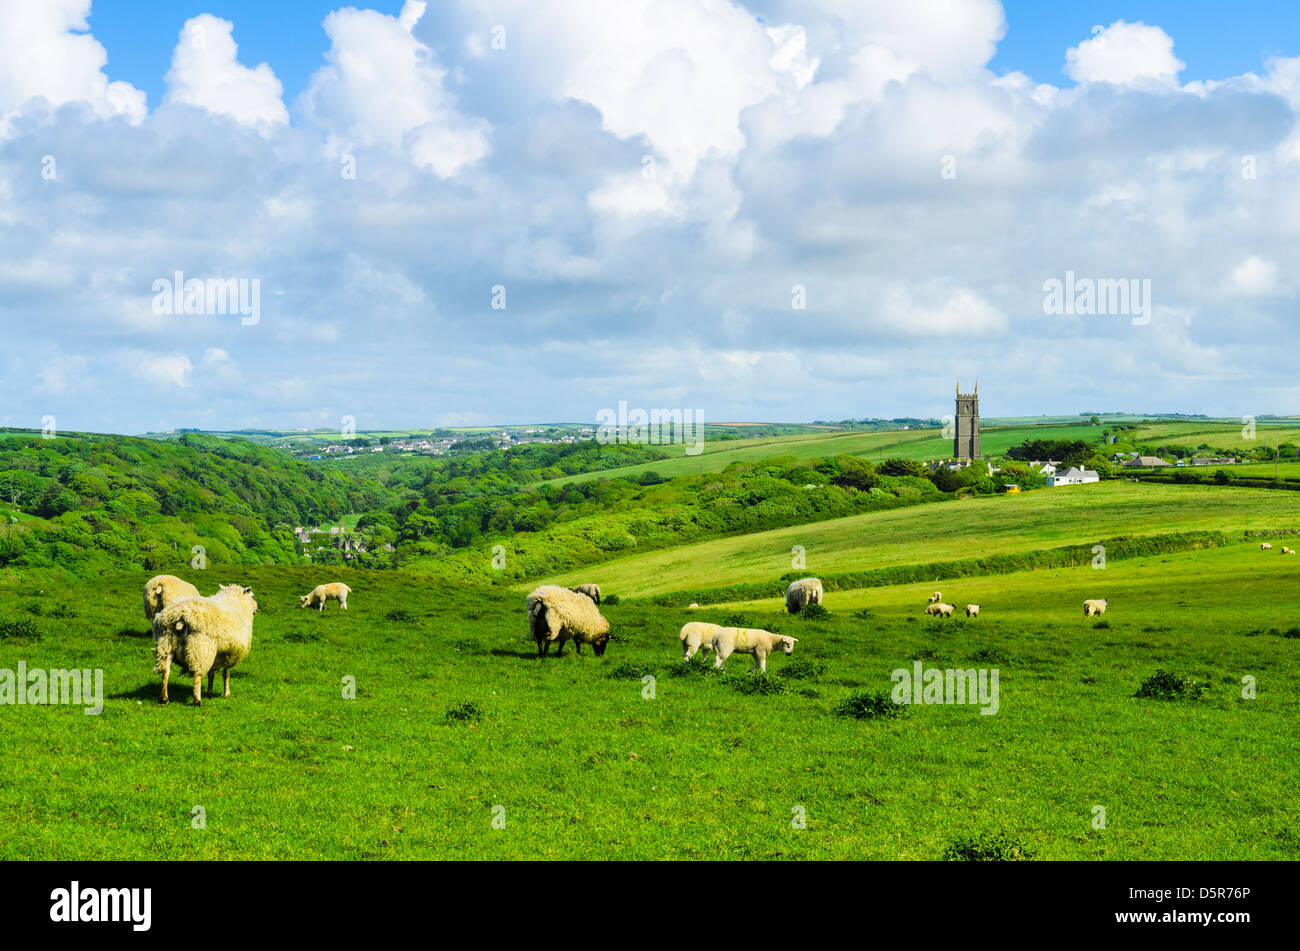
(455, 723)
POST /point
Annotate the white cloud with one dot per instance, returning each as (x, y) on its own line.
(1255, 277)
(383, 86)
(206, 72)
(42, 56)
(1124, 54)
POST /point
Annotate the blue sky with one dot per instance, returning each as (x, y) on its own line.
(490, 211)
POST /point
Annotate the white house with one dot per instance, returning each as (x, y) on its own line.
(1072, 476)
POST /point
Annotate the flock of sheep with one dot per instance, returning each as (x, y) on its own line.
(1267, 547)
(203, 635)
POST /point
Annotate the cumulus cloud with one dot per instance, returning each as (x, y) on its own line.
(1255, 276)
(206, 72)
(381, 85)
(1124, 54)
(46, 52)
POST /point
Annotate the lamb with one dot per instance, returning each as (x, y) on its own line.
(590, 590)
(697, 636)
(936, 597)
(972, 610)
(162, 590)
(940, 609)
(748, 640)
(692, 606)
(1288, 551)
(1266, 546)
(1093, 607)
(204, 634)
(802, 593)
(558, 614)
(323, 592)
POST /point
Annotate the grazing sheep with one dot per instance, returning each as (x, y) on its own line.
(162, 590)
(802, 593)
(1093, 607)
(1266, 546)
(590, 590)
(204, 634)
(941, 609)
(558, 614)
(936, 597)
(323, 592)
(748, 640)
(1288, 551)
(692, 606)
(972, 610)
(697, 636)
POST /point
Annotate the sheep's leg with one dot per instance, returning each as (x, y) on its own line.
(198, 689)
(577, 646)
(225, 676)
(762, 661)
(211, 675)
(688, 651)
(167, 671)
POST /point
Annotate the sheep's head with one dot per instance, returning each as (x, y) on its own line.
(787, 643)
(599, 645)
(303, 599)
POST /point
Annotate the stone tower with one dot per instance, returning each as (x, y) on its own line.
(966, 441)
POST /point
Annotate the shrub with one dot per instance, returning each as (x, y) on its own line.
(865, 705)
(800, 668)
(610, 599)
(763, 685)
(24, 628)
(1164, 685)
(400, 615)
(467, 712)
(626, 671)
(987, 847)
(815, 612)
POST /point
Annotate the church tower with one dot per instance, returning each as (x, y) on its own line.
(966, 442)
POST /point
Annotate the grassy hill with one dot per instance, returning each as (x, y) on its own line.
(967, 528)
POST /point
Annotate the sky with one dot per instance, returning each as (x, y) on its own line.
(508, 211)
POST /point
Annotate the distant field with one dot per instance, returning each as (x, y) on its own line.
(924, 444)
(967, 528)
(1226, 435)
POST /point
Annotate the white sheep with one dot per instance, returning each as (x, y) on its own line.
(802, 593)
(692, 606)
(558, 614)
(1092, 607)
(697, 636)
(1288, 551)
(162, 590)
(323, 592)
(204, 634)
(1266, 546)
(590, 590)
(972, 610)
(936, 597)
(748, 640)
(940, 609)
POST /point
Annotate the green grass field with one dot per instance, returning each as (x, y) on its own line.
(456, 723)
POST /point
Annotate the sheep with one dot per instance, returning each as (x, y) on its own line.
(558, 614)
(204, 634)
(748, 640)
(972, 610)
(802, 593)
(940, 609)
(936, 597)
(1266, 546)
(1093, 607)
(1288, 551)
(323, 592)
(692, 606)
(162, 590)
(590, 590)
(697, 636)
